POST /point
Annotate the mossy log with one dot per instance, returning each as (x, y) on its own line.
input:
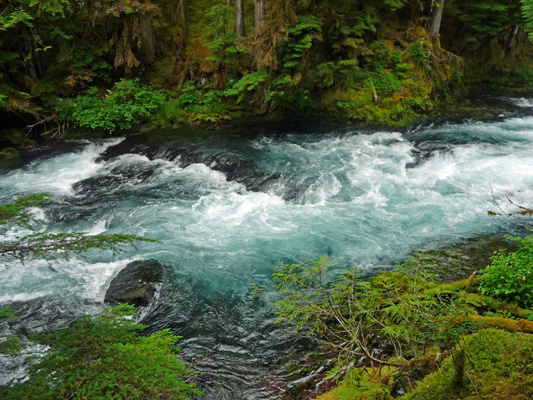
(505, 324)
(465, 284)
(495, 305)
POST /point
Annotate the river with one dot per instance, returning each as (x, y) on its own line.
(227, 206)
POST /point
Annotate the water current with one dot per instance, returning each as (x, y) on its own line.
(227, 206)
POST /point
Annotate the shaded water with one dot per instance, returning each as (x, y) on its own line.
(228, 206)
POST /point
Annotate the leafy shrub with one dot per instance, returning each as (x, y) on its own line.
(246, 83)
(344, 73)
(405, 307)
(420, 51)
(194, 104)
(300, 40)
(509, 277)
(104, 357)
(127, 104)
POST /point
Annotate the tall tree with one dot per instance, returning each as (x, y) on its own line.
(437, 20)
(259, 15)
(239, 18)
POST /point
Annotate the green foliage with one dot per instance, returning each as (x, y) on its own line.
(46, 245)
(221, 31)
(194, 104)
(361, 384)
(18, 212)
(527, 12)
(10, 344)
(420, 51)
(300, 39)
(297, 99)
(340, 74)
(104, 357)
(396, 57)
(6, 313)
(87, 62)
(246, 84)
(499, 364)
(127, 104)
(396, 4)
(484, 19)
(348, 39)
(509, 277)
(327, 51)
(405, 307)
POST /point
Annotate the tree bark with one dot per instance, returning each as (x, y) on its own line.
(239, 18)
(437, 20)
(183, 21)
(259, 15)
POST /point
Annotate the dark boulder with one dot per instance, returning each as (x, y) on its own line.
(136, 284)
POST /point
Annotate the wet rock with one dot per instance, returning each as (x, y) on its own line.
(136, 284)
(458, 261)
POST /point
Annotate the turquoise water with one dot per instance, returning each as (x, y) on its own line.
(228, 206)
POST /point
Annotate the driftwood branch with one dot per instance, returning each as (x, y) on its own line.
(57, 131)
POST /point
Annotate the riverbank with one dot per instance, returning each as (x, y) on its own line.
(480, 106)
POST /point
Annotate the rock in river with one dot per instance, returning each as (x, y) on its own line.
(136, 284)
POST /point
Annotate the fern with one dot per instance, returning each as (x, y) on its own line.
(527, 12)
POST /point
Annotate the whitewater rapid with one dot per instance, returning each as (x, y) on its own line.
(228, 206)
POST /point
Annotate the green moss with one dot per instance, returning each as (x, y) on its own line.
(361, 384)
(500, 365)
(9, 153)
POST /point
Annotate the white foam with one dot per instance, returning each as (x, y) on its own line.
(521, 102)
(361, 198)
(73, 278)
(99, 228)
(56, 175)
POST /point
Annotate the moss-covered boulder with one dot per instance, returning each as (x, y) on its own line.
(498, 365)
(9, 153)
(363, 384)
(15, 139)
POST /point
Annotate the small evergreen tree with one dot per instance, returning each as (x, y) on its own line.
(104, 357)
(46, 245)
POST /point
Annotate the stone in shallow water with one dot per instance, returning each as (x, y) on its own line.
(136, 284)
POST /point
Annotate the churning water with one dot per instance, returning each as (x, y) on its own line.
(226, 207)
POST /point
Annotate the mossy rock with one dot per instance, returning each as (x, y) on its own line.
(9, 153)
(458, 261)
(361, 384)
(499, 364)
(14, 136)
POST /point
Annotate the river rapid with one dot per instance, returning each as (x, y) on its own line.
(227, 206)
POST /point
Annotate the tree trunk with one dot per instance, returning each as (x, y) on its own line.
(183, 21)
(29, 61)
(239, 18)
(437, 19)
(459, 358)
(259, 15)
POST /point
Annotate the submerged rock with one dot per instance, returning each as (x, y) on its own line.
(136, 284)
(460, 260)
